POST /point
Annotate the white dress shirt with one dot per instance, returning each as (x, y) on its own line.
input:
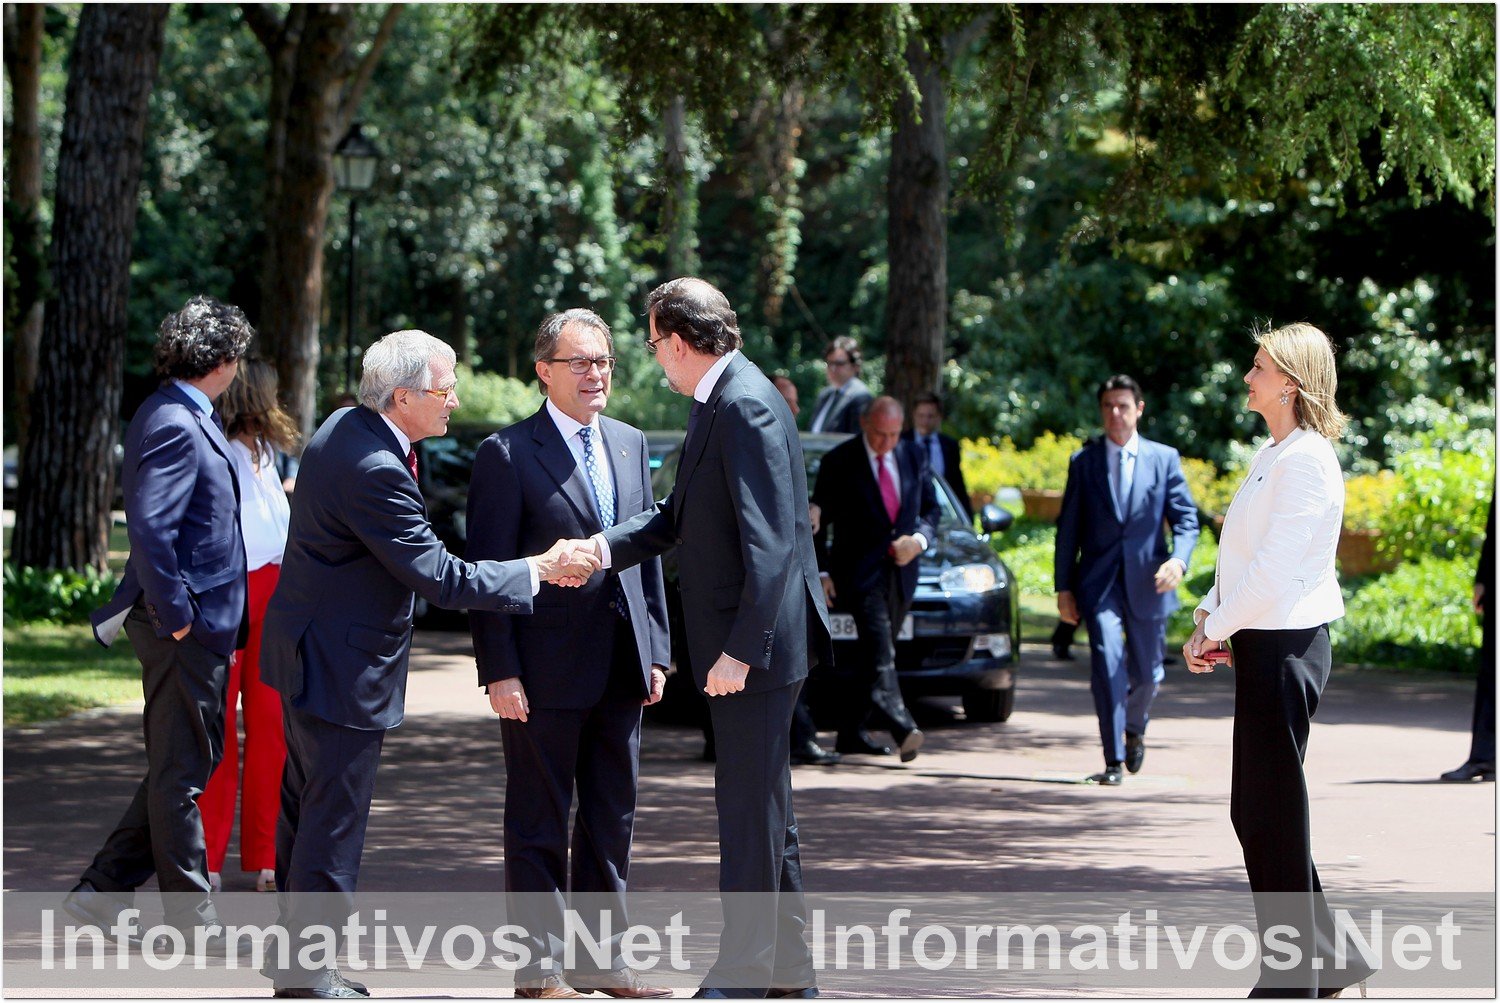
(264, 510)
(1280, 537)
(568, 427)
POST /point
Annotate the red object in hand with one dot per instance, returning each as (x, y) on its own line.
(1217, 655)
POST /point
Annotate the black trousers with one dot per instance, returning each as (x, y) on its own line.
(597, 749)
(1279, 678)
(161, 831)
(326, 789)
(1482, 744)
(875, 693)
(760, 865)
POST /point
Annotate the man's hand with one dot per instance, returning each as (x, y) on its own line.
(829, 592)
(568, 562)
(1067, 607)
(1168, 575)
(905, 549)
(814, 516)
(508, 699)
(658, 685)
(727, 676)
(178, 635)
(1197, 646)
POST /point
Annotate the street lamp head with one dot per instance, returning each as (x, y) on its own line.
(354, 161)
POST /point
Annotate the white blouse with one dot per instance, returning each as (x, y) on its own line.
(265, 512)
(1280, 537)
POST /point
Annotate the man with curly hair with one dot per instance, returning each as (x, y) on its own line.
(182, 603)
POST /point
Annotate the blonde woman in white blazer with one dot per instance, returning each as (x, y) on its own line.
(1273, 596)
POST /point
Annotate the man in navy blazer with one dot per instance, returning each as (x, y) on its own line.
(337, 633)
(840, 404)
(1113, 568)
(182, 604)
(942, 451)
(875, 493)
(569, 681)
(753, 614)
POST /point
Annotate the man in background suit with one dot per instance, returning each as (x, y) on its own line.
(941, 451)
(875, 492)
(754, 618)
(1113, 568)
(182, 604)
(840, 404)
(569, 681)
(337, 634)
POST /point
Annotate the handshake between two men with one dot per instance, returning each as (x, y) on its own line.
(568, 563)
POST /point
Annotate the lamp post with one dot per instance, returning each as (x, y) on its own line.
(354, 163)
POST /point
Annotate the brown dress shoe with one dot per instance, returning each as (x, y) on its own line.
(550, 988)
(623, 983)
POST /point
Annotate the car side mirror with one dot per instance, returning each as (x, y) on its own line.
(994, 519)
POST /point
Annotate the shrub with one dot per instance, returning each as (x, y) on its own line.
(988, 468)
(1417, 616)
(1443, 488)
(1211, 490)
(54, 596)
(1367, 498)
(492, 398)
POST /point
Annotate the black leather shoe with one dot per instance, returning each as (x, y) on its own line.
(813, 754)
(1111, 776)
(1472, 771)
(92, 907)
(1135, 752)
(214, 943)
(330, 985)
(861, 744)
(910, 743)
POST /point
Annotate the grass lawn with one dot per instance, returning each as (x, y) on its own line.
(52, 671)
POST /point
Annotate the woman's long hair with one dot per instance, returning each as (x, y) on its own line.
(250, 405)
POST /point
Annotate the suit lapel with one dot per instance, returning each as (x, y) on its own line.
(622, 455)
(1141, 481)
(211, 430)
(869, 482)
(1099, 466)
(692, 449)
(562, 466)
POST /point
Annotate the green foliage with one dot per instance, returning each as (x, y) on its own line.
(1212, 492)
(1368, 498)
(54, 596)
(1444, 487)
(1044, 466)
(1415, 617)
(494, 399)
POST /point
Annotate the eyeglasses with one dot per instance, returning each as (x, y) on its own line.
(578, 365)
(653, 343)
(434, 392)
(831, 363)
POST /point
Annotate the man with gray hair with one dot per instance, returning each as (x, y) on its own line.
(337, 634)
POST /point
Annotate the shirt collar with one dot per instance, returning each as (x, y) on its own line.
(1132, 446)
(706, 385)
(566, 424)
(197, 396)
(400, 436)
(870, 453)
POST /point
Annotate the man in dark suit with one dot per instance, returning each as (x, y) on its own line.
(941, 451)
(337, 634)
(182, 604)
(1481, 762)
(1113, 568)
(876, 494)
(569, 681)
(840, 404)
(754, 618)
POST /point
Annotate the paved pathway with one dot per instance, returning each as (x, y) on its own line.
(987, 810)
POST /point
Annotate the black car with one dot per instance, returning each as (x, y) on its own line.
(963, 632)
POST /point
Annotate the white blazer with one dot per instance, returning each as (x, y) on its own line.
(1280, 535)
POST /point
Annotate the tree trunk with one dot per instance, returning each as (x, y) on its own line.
(67, 470)
(23, 65)
(679, 218)
(916, 306)
(316, 87)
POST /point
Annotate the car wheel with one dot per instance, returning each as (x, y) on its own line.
(989, 705)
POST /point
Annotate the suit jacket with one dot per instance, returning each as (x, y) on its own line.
(182, 511)
(1093, 543)
(528, 492)
(737, 515)
(953, 472)
(853, 397)
(847, 492)
(337, 634)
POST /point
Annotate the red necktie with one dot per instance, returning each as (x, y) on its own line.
(411, 464)
(888, 488)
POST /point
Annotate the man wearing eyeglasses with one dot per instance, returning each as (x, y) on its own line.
(843, 401)
(569, 681)
(337, 634)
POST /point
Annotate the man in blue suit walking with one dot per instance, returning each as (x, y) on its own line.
(181, 602)
(1112, 566)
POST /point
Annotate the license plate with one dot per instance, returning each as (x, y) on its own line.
(841, 627)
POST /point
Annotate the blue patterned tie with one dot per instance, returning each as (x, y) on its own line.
(604, 498)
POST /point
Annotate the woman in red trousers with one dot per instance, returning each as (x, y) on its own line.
(256, 426)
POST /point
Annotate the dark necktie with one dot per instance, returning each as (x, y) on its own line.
(697, 410)
(411, 464)
(218, 422)
(604, 500)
